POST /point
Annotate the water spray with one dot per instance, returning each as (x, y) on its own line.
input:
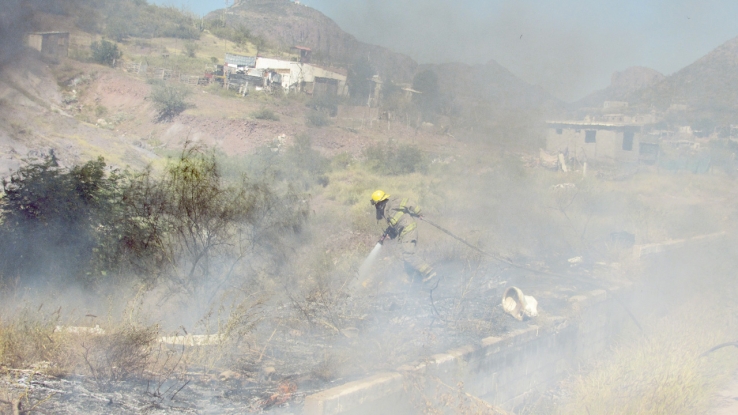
(367, 264)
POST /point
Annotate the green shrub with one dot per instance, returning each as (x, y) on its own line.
(187, 227)
(169, 100)
(324, 103)
(190, 49)
(52, 219)
(265, 114)
(299, 165)
(317, 118)
(105, 53)
(393, 160)
(342, 161)
(309, 164)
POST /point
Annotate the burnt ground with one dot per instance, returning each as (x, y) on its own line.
(355, 338)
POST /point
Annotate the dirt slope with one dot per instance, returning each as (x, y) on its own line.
(35, 120)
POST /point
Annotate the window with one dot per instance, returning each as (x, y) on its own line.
(590, 136)
(559, 131)
(628, 141)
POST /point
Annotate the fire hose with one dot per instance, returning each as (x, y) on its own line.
(508, 261)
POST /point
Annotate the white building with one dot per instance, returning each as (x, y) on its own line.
(305, 77)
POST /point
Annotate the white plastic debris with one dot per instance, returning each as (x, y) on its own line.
(564, 186)
(531, 306)
(519, 305)
(576, 260)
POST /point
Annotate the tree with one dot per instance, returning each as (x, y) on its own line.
(190, 49)
(105, 53)
(392, 96)
(188, 228)
(193, 228)
(169, 100)
(359, 80)
(53, 219)
(429, 99)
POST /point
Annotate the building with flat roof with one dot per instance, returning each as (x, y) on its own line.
(599, 141)
(54, 45)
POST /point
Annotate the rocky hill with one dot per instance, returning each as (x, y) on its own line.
(622, 85)
(709, 86)
(490, 82)
(473, 88)
(284, 24)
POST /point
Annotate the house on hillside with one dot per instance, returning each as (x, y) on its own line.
(305, 53)
(304, 77)
(238, 63)
(604, 141)
(329, 82)
(53, 45)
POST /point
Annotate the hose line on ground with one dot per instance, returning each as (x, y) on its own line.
(534, 270)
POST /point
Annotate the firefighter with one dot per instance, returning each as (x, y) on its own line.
(400, 219)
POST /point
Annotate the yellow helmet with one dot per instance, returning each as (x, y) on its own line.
(379, 196)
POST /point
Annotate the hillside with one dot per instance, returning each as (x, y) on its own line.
(622, 85)
(36, 117)
(709, 86)
(284, 24)
(490, 82)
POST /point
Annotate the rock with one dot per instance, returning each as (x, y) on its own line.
(350, 332)
(228, 375)
(267, 372)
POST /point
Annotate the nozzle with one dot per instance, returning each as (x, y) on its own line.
(381, 240)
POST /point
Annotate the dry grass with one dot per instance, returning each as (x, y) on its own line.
(659, 374)
(124, 353)
(30, 341)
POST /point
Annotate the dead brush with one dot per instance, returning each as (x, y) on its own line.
(660, 374)
(430, 395)
(322, 299)
(121, 354)
(15, 397)
(167, 374)
(31, 341)
(231, 323)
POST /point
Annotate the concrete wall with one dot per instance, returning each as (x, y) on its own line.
(50, 44)
(504, 371)
(607, 148)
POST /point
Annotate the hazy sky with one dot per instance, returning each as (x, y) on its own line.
(569, 47)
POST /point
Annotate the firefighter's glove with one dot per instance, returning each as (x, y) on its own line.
(415, 211)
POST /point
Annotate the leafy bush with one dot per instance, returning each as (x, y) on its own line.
(169, 100)
(105, 53)
(342, 161)
(188, 227)
(52, 216)
(192, 228)
(359, 81)
(298, 165)
(307, 161)
(239, 35)
(393, 160)
(190, 49)
(265, 114)
(317, 119)
(136, 18)
(325, 103)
